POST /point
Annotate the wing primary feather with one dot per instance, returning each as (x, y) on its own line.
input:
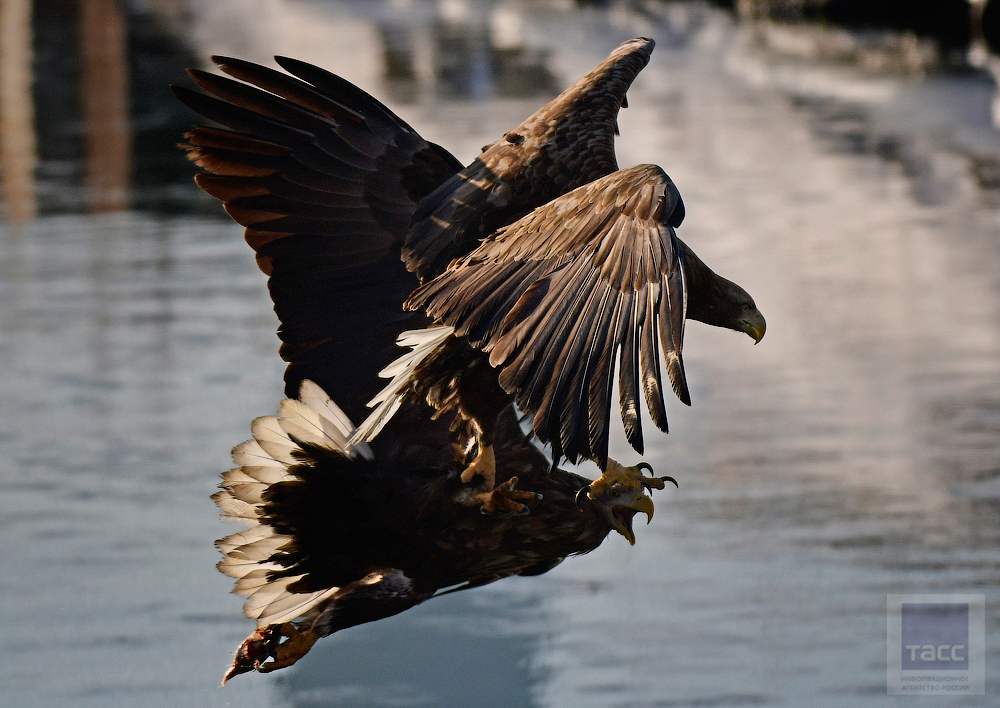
(602, 384)
(649, 357)
(571, 388)
(257, 101)
(517, 348)
(531, 371)
(587, 405)
(363, 104)
(240, 119)
(671, 321)
(351, 124)
(628, 375)
(203, 136)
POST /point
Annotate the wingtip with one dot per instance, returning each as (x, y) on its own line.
(683, 394)
(290, 64)
(187, 96)
(221, 60)
(681, 389)
(633, 433)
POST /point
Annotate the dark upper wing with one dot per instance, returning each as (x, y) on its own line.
(326, 179)
(565, 144)
(451, 221)
(557, 295)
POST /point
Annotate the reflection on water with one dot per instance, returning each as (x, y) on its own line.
(469, 649)
(104, 125)
(948, 24)
(104, 100)
(472, 50)
(854, 453)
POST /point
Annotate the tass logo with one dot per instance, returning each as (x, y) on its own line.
(935, 636)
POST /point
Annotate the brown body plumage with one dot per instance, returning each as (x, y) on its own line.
(350, 212)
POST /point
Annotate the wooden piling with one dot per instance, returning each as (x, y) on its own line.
(104, 103)
(18, 149)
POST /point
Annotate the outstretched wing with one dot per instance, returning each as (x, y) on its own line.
(556, 296)
(325, 179)
(567, 143)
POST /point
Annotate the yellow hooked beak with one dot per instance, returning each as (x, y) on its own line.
(753, 324)
(625, 507)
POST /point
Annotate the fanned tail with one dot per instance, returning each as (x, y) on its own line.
(267, 459)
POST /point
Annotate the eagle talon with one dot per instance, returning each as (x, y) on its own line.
(505, 499)
(630, 477)
(660, 482)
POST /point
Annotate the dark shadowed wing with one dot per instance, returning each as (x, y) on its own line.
(554, 297)
(325, 179)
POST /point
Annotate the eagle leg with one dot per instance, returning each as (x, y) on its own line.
(485, 465)
(505, 499)
(630, 477)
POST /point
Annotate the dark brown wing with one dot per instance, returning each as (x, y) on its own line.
(556, 296)
(325, 179)
(565, 144)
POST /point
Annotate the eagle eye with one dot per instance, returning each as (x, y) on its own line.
(614, 493)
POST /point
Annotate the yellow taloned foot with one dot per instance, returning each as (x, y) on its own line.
(630, 477)
(485, 465)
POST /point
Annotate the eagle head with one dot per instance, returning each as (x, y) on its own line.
(620, 494)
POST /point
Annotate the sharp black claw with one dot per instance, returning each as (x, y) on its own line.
(484, 511)
(524, 512)
(538, 497)
(662, 479)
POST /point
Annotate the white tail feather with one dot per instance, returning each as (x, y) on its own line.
(251, 453)
(269, 458)
(234, 509)
(236, 476)
(287, 606)
(266, 475)
(423, 342)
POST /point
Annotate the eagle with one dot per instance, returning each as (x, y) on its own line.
(519, 283)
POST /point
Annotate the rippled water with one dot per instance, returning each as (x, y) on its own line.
(855, 452)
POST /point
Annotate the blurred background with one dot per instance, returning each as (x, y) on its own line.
(838, 158)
